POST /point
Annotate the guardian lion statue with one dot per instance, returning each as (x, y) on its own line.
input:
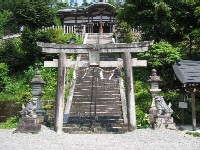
(30, 109)
(162, 108)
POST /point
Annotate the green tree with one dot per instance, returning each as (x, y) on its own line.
(184, 19)
(162, 56)
(33, 15)
(160, 20)
(126, 35)
(154, 19)
(4, 19)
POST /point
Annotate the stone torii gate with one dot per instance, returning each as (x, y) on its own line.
(94, 51)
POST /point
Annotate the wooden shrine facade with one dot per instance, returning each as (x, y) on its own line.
(187, 74)
(91, 17)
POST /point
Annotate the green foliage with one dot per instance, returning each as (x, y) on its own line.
(143, 103)
(57, 21)
(141, 119)
(18, 87)
(4, 18)
(48, 106)
(50, 77)
(3, 75)
(127, 35)
(10, 123)
(192, 43)
(142, 95)
(60, 5)
(197, 14)
(12, 54)
(57, 36)
(154, 19)
(180, 13)
(160, 20)
(30, 38)
(195, 134)
(33, 14)
(162, 54)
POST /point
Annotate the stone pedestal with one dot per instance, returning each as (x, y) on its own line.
(28, 125)
(164, 123)
(42, 116)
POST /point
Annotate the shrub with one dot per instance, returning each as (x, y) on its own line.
(56, 36)
(3, 75)
(141, 118)
(195, 134)
(12, 54)
(10, 123)
(142, 96)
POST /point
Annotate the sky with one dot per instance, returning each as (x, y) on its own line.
(81, 1)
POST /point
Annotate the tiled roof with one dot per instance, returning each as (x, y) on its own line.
(187, 71)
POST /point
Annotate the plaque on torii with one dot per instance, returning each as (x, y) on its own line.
(94, 51)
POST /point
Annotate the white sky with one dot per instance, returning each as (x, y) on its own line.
(81, 1)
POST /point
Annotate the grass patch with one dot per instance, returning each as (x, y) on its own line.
(195, 134)
(10, 123)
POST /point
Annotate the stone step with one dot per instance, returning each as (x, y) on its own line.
(79, 105)
(80, 130)
(87, 107)
(99, 117)
(95, 127)
(98, 109)
(103, 121)
(99, 88)
(113, 125)
(93, 102)
(97, 102)
(98, 96)
(92, 114)
(88, 92)
(88, 111)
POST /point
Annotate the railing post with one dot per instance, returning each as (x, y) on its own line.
(64, 28)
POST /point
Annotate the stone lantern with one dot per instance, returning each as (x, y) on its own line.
(159, 113)
(154, 81)
(37, 91)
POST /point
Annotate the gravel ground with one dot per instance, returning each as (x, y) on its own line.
(141, 139)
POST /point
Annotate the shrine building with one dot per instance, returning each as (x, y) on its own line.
(90, 17)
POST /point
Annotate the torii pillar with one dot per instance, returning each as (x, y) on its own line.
(130, 97)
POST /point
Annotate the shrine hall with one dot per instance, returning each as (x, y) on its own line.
(90, 17)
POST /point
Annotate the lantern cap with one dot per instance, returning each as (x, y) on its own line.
(154, 77)
(37, 79)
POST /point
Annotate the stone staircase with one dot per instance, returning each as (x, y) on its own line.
(104, 38)
(96, 104)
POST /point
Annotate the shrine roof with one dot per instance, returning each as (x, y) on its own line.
(86, 8)
(100, 4)
(187, 71)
